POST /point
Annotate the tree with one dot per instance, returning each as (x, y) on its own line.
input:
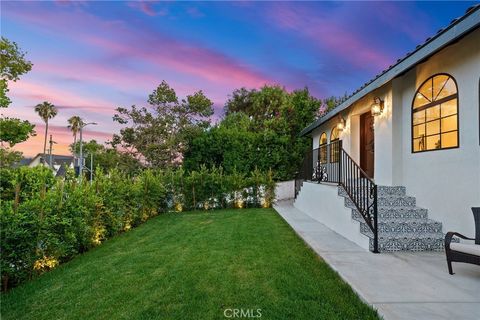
(12, 65)
(9, 158)
(74, 124)
(107, 158)
(12, 130)
(229, 144)
(241, 100)
(158, 134)
(331, 102)
(46, 111)
(260, 130)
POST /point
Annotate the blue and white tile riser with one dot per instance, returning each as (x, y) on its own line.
(402, 226)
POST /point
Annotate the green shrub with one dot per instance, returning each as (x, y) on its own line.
(46, 221)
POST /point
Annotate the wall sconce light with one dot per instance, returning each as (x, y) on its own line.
(341, 123)
(377, 106)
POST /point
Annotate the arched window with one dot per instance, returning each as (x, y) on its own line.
(335, 147)
(435, 114)
(323, 148)
(334, 135)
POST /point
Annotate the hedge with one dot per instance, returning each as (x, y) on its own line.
(46, 221)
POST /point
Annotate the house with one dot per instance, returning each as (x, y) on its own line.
(398, 163)
(59, 164)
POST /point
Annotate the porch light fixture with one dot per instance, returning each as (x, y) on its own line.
(341, 123)
(377, 106)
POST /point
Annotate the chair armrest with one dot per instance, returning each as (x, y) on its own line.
(449, 236)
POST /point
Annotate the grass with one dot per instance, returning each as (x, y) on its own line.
(192, 266)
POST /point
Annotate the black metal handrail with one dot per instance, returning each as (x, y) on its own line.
(332, 164)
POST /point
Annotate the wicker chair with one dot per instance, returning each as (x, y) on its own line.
(464, 252)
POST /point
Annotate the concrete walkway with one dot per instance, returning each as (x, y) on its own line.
(399, 285)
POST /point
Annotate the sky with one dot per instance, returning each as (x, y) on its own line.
(90, 57)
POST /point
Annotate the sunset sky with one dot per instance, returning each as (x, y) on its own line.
(91, 57)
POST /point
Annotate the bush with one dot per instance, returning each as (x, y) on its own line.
(45, 221)
(260, 129)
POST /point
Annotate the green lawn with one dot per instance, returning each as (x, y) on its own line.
(192, 266)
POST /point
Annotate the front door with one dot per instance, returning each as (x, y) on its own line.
(367, 144)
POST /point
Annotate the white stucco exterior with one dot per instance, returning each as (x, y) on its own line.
(446, 182)
(285, 190)
(322, 203)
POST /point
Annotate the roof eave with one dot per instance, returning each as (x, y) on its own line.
(452, 33)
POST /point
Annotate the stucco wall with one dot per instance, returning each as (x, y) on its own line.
(350, 136)
(322, 203)
(285, 190)
(447, 182)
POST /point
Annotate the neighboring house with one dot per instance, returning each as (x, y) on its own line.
(23, 162)
(59, 165)
(414, 126)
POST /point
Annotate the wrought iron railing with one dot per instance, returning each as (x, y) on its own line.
(330, 163)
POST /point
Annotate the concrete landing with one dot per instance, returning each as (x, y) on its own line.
(406, 285)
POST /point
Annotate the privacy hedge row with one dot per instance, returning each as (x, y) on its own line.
(47, 221)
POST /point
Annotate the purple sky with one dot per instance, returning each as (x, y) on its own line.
(91, 57)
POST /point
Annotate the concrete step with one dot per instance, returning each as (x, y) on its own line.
(410, 242)
(365, 230)
(382, 191)
(402, 226)
(391, 191)
(396, 213)
(397, 227)
(387, 201)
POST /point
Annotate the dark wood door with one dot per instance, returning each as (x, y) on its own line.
(367, 144)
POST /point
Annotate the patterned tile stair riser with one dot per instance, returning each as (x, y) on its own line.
(396, 213)
(402, 226)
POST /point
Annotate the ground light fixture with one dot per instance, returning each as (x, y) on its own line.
(377, 106)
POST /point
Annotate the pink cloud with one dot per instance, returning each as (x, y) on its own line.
(182, 57)
(119, 78)
(329, 34)
(120, 40)
(148, 8)
(38, 93)
(61, 135)
(395, 15)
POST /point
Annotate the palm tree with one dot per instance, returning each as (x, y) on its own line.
(74, 124)
(46, 111)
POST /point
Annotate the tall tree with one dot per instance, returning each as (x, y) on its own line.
(260, 129)
(46, 111)
(158, 134)
(241, 100)
(74, 124)
(12, 130)
(12, 65)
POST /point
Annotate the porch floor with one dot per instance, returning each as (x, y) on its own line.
(406, 285)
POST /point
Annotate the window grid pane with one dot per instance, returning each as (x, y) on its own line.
(449, 123)
(433, 142)
(433, 127)
(449, 107)
(438, 86)
(450, 139)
